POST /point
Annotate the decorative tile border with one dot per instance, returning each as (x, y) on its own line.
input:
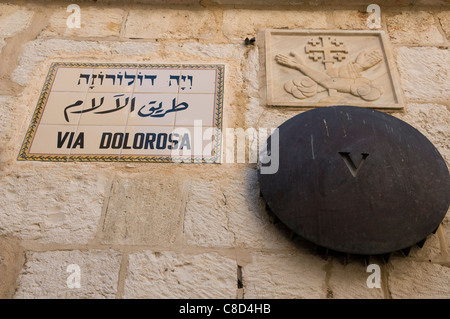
(63, 126)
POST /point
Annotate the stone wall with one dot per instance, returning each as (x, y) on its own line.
(147, 230)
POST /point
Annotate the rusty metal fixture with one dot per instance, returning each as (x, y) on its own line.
(357, 181)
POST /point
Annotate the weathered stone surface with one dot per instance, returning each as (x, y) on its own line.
(35, 52)
(251, 70)
(206, 221)
(444, 20)
(160, 2)
(231, 214)
(445, 227)
(47, 206)
(271, 3)
(445, 238)
(411, 280)
(170, 24)
(11, 262)
(94, 22)
(13, 19)
(250, 223)
(180, 276)
(46, 275)
(424, 73)
(293, 276)
(239, 24)
(413, 27)
(7, 119)
(272, 118)
(207, 50)
(350, 19)
(350, 282)
(432, 121)
(252, 84)
(431, 250)
(143, 210)
(51, 204)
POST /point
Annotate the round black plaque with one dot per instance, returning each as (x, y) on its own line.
(356, 180)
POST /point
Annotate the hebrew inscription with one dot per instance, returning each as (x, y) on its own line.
(328, 68)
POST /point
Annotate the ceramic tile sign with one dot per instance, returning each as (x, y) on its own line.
(128, 112)
(323, 68)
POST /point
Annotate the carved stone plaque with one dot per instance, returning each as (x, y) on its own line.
(322, 68)
(128, 112)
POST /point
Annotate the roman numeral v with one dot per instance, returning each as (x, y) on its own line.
(350, 164)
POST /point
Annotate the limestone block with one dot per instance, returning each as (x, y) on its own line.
(154, 2)
(144, 210)
(94, 22)
(350, 282)
(52, 204)
(248, 219)
(382, 3)
(6, 118)
(180, 276)
(284, 276)
(35, 52)
(272, 118)
(48, 275)
(250, 72)
(206, 221)
(8, 128)
(415, 27)
(196, 50)
(350, 19)
(444, 20)
(359, 56)
(432, 121)
(272, 3)
(431, 250)
(418, 280)
(11, 261)
(431, 3)
(445, 228)
(254, 111)
(424, 73)
(231, 214)
(239, 24)
(13, 19)
(268, 3)
(170, 24)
